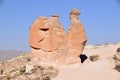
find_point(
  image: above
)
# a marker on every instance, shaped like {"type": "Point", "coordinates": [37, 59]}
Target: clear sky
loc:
{"type": "Point", "coordinates": [101, 19]}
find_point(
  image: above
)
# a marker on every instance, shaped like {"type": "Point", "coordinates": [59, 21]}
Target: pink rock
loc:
{"type": "Point", "coordinates": [60, 35]}
{"type": "Point", "coordinates": [47, 38]}
{"type": "Point", "coordinates": [76, 37]}
{"type": "Point", "coordinates": [42, 35]}
{"type": "Point", "coordinates": [49, 42]}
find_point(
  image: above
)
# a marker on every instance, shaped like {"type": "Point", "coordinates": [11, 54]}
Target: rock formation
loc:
{"type": "Point", "coordinates": [76, 37]}
{"type": "Point", "coordinates": [42, 35]}
{"type": "Point", "coordinates": [49, 42]}
{"type": "Point", "coordinates": [60, 35]}
{"type": "Point", "coordinates": [47, 38]}
{"type": "Point", "coordinates": [17, 69]}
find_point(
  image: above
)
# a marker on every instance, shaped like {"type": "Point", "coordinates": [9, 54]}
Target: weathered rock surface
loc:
{"type": "Point", "coordinates": [47, 38]}
{"type": "Point", "coordinates": [76, 37]}
{"type": "Point", "coordinates": [49, 42]}
{"type": "Point", "coordinates": [41, 35]}
{"type": "Point", "coordinates": [60, 35]}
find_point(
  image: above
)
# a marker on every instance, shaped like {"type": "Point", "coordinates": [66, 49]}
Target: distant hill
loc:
{"type": "Point", "coordinates": [6, 55]}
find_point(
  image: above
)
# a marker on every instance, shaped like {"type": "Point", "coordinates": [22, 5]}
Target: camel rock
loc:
{"type": "Point", "coordinates": [49, 42]}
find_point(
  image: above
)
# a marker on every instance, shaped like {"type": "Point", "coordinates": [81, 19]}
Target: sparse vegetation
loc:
{"type": "Point", "coordinates": [94, 57]}
{"type": "Point", "coordinates": [106, 44]}
{"type": "Point", "coordinates": [95, 47]}
{"type": "Point", "coordinates": [116, 57]}
{"type": "Point", "coordinates": [15, 69]}
{"type": "Point", "coordinates": [118, 50]}
{"type": "Point", "coordinates": [117, 67]}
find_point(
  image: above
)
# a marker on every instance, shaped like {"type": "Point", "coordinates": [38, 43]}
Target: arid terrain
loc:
{"type": "Point", "coordinates": [102, 63]}
{"type": "Point", "coordinates": [9, 54]}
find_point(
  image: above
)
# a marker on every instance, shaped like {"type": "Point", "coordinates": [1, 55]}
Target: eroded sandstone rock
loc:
{"type": "Point", "coordinates": [49, 42]}
{"type": "Point", "coordinates": [42, 35]}
{"type": "Point", "coordinates": [60, 35]}
{"type": "Point", "coordinates": [47, 38]}
{"type": "Point", "coordinates": [76, 37]}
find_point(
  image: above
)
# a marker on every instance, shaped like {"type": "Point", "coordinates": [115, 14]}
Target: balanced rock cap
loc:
{"type": "Point", "coordinates": [54, 15]}
{"type": "Point", "coordinates": [42, 17]}
{"type": "Point", "coordinates": [75, 11]}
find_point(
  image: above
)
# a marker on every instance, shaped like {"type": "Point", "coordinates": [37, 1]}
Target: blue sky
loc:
{"type": "Point", "coordinates": [101, 19]}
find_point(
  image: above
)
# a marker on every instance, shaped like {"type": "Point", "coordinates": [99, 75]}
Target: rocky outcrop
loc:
{"type": "Point", "coordinates": [17, 69]}
{"type": "Point", "coordinates": [50, 43]}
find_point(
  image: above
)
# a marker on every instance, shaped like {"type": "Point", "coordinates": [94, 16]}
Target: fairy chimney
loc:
{"type": "Point", "coordinates": [49, 42]}
{"type": "Point", "coordinates": [76, 37]}
{"type": "Point", "coordinates": [59, 32]}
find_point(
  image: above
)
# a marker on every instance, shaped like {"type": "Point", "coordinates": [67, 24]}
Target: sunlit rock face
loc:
{"type": "Point", "coordinates": [49, 42]}
{"type": "Point", "coordinates": [42, 35]}
{"type": "Point", "coordinates": [76, 37]}
{"type": "Point", "coordinates": [60, 35]}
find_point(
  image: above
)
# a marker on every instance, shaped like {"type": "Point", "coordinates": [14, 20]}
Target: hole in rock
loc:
{"type": "Point", "coordinates": [83, 57]}
{"type": "Point", "coordinates": [44, 29]}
